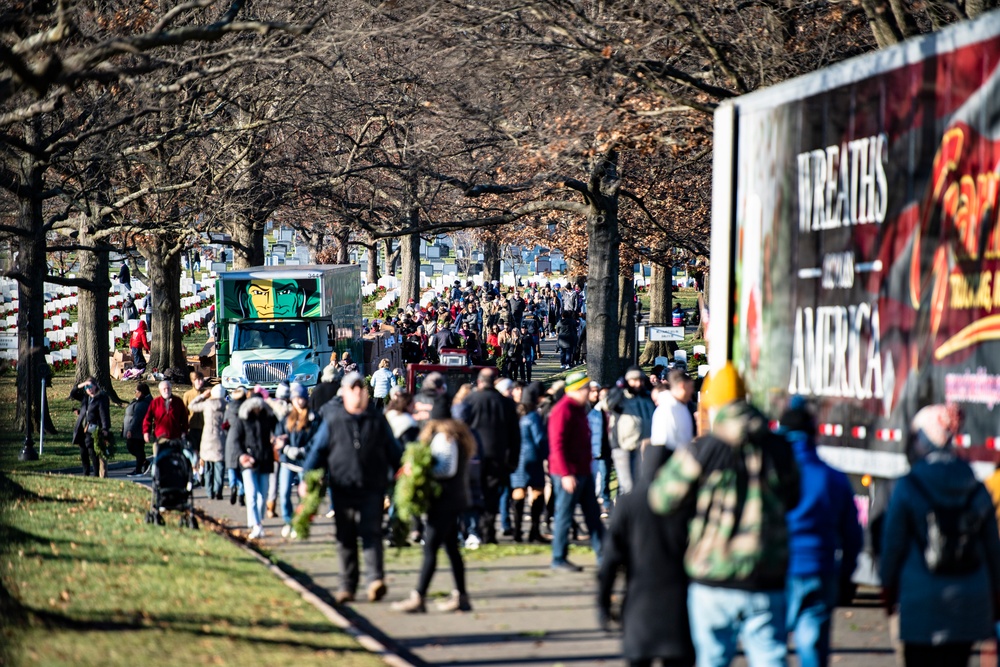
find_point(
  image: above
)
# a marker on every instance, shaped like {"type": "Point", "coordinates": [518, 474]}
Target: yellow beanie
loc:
{"type": "Point", "coordinates": [723, 387]}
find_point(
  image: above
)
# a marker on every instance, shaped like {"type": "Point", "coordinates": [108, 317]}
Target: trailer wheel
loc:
{"type": "Point", "coordinates": [194, 523]}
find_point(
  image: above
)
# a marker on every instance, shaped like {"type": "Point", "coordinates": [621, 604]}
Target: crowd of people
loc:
{"type": "Point", "coordinates": [502, 327]}
{"type": "Point", "coordinates": [740, 536]}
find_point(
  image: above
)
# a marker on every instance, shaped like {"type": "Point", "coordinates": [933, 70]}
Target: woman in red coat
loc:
{"type": "Point", "coordinates": [139, 342]}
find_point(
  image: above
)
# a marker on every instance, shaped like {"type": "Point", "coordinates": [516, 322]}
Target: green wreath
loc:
{"type": "Point", "coordinates": [416, 488]}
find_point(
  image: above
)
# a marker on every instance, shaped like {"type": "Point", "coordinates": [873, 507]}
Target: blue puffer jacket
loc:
{"type": "Point", "coordinates": [825, 519]}
{"type": "Point", "coordinates": [534, 450]}
{"type": "Point", "coordinates": [933, 608]}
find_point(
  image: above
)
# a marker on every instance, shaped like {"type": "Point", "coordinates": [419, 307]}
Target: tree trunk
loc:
{"type": "Point", "coordinates": [603, 363]}
{"type": "Point", "coordinates": [491, 260]}
{"type": "Point", "coordinates": [371, 269]}
{"type": "Point", "coordinates": [32, 268]}
{"type": "Point", "coordinates": [626, 318]}
{"type": "Point", "coordinates": [409, 282]}
{"type": "Point", "coordinates": [660, 305]}
{"type": "Point", "coordinates": [164, 267]}
{"type": "Point", "coordinates": [93, 347]}
{"type": "Point", "coordinates": [391, 257]}
{"type": "Point", "coordinates": [248, 243]}
{"type": "Point", "coordinates": [31, 365]}
{"type": "Point", "coordinates": [315, 244]}
{"type": "Point", "coordinates": [342, 247]}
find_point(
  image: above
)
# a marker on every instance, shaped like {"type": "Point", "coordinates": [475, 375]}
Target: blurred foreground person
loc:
{"type": "Point", "coordinates": [940, 551]}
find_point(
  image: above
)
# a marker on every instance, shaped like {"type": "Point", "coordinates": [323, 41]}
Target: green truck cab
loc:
{"type": "Point", "coordinates": [280, 323]}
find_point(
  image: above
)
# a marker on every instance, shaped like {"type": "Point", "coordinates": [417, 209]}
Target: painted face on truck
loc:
{"type": "Point", "coordinates": [274, 298]}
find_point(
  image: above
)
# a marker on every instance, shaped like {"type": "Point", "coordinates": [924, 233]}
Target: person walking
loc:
{"type": "Point", "coordinates": [672, 424]}
{"type": "Point", "coordinates": [824, 521]}
{"type": "Point", "coordinates": [567, 340]}
{"type": "Point", "coordinates": [940, 560]}
{"type": "Point", "coordinates": [210, 405]}
{"type": "Point", "coordinates": [195, 421]}
{"type": "Point", "coordinates": [138, 343]}
{"type": "Point", "coordinates": [650, 550]}
{"type": "Point", "coordinates": [93, 421]}
{"type": "Point", "coordinates": [381, 382]}
{"type": "Point", "coordinates": [452, 445]}
{"type": "Point", "coordinates": [250, 438]}
{"type": "Point", "coordinates": [630, 421]}
{"type": "Point", "coordinates": [570, 468]}
{"type": "Point", "coordinates": [600, 446]}
{"type": "Point", "coordinates": [494, 418]}
{"type": "Point", "coordinates": [135, 412]}
{"type": "Point", "coordinates": [231, 456]}
{"type": "Point", "coordinates": [167, 416]}
{"type": "Point", "coordinates": [125, 276]}
{"type": "Point", "coordinates": [741, 480]}
{"type": "Point", "coordinates": [360, 454]}
{"type": "Point", "coordinates": [530, 473]}
{"type": "Point", "coordinates": [294, 435]}
{"type": "Point", "coordinates": [515, 352]}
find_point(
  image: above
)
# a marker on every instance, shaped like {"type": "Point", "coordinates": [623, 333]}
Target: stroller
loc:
{"type": "Point", "coordinates": [173, 481]}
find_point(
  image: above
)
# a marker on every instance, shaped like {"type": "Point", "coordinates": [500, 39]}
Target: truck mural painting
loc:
{"type": "Point", "coordinates": [856, 247]}
{"type": "Point", "coordinates": [281, 323]}
{"type": "Point", "coordinates": [268, 298]}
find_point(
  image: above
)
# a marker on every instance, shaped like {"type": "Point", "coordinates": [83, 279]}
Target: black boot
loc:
{"type": "Point", "coordinates": [535, 533]}
{"type": "Point", "coordinates": [518, 520]}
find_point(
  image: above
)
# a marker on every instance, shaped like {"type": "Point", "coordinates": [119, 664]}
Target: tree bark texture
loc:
{"type": "Point", "coordinates": [603, 363]}
{"type": "Point", "coordinates": [626, 318]}
{"type": "Point", "coordinates": [660, 306]}
{"type": "Point", "coordinates": [93, 348]}
{"type": "Point", "coordinates": [391, 257]}
{"type": "Point", "coordinates": [248, 243]}
{"type": "Point", "coordinates": [491, 261]}
{"type": "Point", "coordinates": [32, 268]}
{"type": "Point", "coordinates": [409, 256]}
{"type": "Point", "coordinates": [371, 270]}
{"type": "Point", "coordinates": [164, 267]}
{"type": "Point", "coordinates": [342, 247]}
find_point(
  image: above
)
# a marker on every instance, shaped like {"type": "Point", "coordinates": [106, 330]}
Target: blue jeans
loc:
{"type": "Point", "coordinates": [505, 507]}
{"type": "Point", "coordinates": [566, 502]}
{"type": "Point", "coordinates": [720, 616]}
{"type": "Point", "coordinates": [811, 601]}
{"type": "Point", "coordinates": [234, 480]}
{"type": "Point", "coordinates": [287, 480]}
{"type": "Point", "coordinates": [255, 488]}
{"type": "Point", "coordinates": [602, 482]}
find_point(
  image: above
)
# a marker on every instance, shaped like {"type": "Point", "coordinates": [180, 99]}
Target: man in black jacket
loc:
{"type": "Point", "coordinates": [360, 455]}
{"type": "Point", "coordinates": [494, 417]}
{"type": "Point", "coordinates": [93, 420]}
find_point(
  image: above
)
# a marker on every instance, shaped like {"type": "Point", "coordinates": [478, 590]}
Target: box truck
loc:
{"type": "Point", "coordinates": [855, 250]}
{"type": "Point", "coordinates": [279, 323]}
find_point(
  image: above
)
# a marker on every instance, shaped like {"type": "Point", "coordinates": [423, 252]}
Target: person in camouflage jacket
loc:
{"type": "Point", "coordinates": [736, 484]}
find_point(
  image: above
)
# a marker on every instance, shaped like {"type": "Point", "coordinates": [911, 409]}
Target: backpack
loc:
{"type": "Point", "coordinates": [952, 545]}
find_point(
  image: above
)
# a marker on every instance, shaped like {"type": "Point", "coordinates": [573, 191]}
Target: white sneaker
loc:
{"type": "Point", "coordinates": [329, 515]}
{"type": "Point", "coordinates": [286, 530]}
{"type": "Point", "coordinates": [472, 543]}
{"type": "Point", "coordinates": [256, 533]}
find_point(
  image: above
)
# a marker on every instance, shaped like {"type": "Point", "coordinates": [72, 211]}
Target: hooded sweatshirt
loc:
{"type": "Point", "coordinates": [936, 608]}
{"type": "Point", "coordinates": [739, 481]}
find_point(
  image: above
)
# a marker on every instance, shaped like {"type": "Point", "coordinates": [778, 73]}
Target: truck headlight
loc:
{"type": "Point", "coordinates": [304, 378]}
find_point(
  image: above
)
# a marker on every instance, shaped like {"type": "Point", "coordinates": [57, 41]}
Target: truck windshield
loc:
{"type": "Point", "coordinates": [271, 336]}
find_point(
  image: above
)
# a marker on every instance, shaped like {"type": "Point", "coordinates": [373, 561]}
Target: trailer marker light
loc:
{"type": "Point", "coordinates": [859, 432]}
{"type": "Point", "coordinates": [993, 443]}
{"type": "Point", "coordinates": [964, 440]}
{"type": "Point", "coordinates": [866, 481]}
{"type": "Point", "coordinates": [836, 430]}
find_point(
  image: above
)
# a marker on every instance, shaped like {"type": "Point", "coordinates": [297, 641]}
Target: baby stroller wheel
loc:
{"type": "Point", "coordinates": [194, 523]}
{"type": "Point", "coordinates": [160, 520]}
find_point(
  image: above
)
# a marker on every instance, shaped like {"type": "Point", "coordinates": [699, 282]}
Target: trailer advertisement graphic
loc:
{"type": "Point", "coordinates": [868, 247]}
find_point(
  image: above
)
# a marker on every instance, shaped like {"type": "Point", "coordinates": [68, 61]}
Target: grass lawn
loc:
{"type": "Point", "coordinates": [86, 582]}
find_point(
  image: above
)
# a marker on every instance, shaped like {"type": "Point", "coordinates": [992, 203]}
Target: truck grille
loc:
{"type": "Point", "coordinates": [266, 372]}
